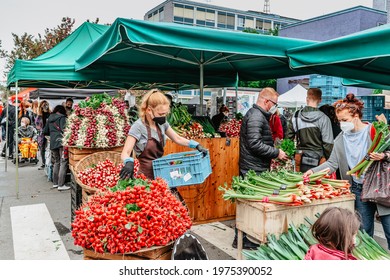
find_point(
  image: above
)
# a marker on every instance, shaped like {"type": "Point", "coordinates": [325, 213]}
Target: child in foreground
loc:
{"type": "Point", "coordinates": [336, 231]}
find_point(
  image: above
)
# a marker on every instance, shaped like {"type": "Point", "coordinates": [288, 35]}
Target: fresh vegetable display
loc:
{"type": "Point", "coordinates": [380, 143]}
{"type": "Point", "coordinates": [285, 187]}
{"type": "Point", "coordinates": [293, 245]}
{"type": "Point", "coordinates": [208, 128]}
{"type": "Point", "coordinates": [103, 175]}
{"type": "Point", "coordinates": [135, 214]}
{"type": "Point", "coordinates": [181, 122]}
{"type": "Point", "coordinates": [231, 128]}
{"type": "Point", "coordinates": [99, 121]}
{"type": "Point", "coordinates": [288, 146]}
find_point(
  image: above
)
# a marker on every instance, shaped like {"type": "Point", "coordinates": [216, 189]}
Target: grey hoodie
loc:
{"type": "Point", "coordinates": [314, 129]}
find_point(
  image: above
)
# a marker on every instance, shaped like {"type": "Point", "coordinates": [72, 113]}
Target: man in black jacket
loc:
{"type": "Point", "coordinates": [11, 129]}
{"type": "Point", "coordinates": [256, 143]}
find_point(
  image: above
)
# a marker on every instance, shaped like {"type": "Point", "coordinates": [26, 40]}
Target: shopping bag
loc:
{"type": "Point", "coordinates": [188, 247]}
{"type": "Point", "coordinates": [376, 185]}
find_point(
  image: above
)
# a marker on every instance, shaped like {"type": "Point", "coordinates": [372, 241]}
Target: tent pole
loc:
{"type": "Point", "coordinates": [201, 83]}
{"type": "Point", "coordinates": [16, 140]}
{"type": "Point", "coordinates": [6, 133]}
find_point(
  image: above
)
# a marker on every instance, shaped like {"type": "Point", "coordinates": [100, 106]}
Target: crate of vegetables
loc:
{"type": "Point", "coordinates": [183, 169]}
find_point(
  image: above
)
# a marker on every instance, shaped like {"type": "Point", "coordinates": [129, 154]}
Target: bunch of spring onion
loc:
{"type": "Point", "coordinates": [294, 244]}
{"type": "Point", "coordinates": [284, 187]}
{"type": "Point", "coordinates": [380, 143]}
{"type": "Point", "coordinates": [265, 188]}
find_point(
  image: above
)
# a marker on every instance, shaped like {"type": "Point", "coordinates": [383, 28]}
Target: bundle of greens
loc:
{"type": "Point", "coordinates": [293, 245]}
{"type": "Point", "coordinates": [95, 101]}
{"type": "Point", "coordinates": [380, 143]}
{"type": "Point", "coordinates": [288, 146]}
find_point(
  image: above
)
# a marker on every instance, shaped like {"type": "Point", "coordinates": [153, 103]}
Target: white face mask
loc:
{"type": "Point", "coordinates": [346, 126]}
{"type": "Point", "coordinates": [23, 124]}
{"type": "Point", "coordinates": [273, 109]}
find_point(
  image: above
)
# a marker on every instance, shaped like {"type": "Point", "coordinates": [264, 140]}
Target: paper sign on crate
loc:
{"type": "Point", "coordinates": [183, 169]}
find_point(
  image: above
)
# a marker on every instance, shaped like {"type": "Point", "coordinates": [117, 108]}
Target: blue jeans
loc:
{"type": "Point", "coordinates": [367, 212]}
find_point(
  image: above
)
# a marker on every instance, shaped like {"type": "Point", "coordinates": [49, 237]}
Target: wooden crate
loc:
{"type": "Point", "coordinates": [153, 253]}
{"type": "Point", "coordinates": [204, 201]}
{"type": "Point", "coordinates": [258, 219]}
{"type": "Point", "coordinates": [76, 154]}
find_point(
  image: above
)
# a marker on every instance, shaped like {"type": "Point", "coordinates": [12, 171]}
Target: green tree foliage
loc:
{"type": "Point", "coordinates": [258, 84]}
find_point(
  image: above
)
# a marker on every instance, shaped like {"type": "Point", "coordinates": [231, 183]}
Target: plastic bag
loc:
{"type": "Point", "coordinates": [376, 185]}
{"type": "Point", "coordinates": [188, 247]}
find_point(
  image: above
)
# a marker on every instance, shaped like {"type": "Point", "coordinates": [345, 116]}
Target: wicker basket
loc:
{"type": "Point", "coordinates": [91, 160]}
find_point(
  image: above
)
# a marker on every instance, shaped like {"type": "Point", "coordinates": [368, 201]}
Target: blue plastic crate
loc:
{"type": "Point", "coordinates": [183, 169]}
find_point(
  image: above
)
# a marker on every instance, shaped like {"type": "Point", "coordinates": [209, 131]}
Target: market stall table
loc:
{"type": "Point", "coordinates": [257, 219]}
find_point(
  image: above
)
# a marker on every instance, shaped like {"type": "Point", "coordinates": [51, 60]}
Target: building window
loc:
{"type": "Point", "coordinates": [249, 22]}
{"type": "Point", "coordinates": [205, 17]}
{"type": "Point", "coordinates": [259, 24]}
{"type": "Point", "coordinates": [225, 20]}
{"type": "Point", "coordinates": [267, 25]}
{"type": "Point", "coordinates": [183, 13]}
{"type": "Point", "coordinates": [157, 15]}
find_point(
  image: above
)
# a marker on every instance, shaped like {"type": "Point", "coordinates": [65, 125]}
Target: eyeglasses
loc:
{"type": "Point", "coordinates": [344, 105]}
{"type": "Point", "coordinates": [273, 102]}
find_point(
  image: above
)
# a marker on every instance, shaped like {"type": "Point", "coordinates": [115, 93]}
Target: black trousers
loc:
{"type": "Point", "coordinates": [10, 141]}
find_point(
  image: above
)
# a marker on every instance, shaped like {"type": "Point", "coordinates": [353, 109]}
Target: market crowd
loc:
{"type": "Point", "coordinates": [39, 132]}
{"type": "Point", "coordinates": [332, 137]}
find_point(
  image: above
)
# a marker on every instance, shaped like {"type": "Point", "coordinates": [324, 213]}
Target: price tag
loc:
{"type": "Point", "coordinates": [187, 177]}
{"type": "Point", "coordinates": [174, 174]}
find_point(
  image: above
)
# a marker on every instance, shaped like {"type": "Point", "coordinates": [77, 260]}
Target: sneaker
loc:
{"type": "Point", "coordinates": [54, 186]}
{"type": "Point", "coordinates": [63, 188]}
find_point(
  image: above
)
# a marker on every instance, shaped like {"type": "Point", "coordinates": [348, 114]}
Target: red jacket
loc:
{"type": "Point", "coordinates": [276, 127]}
{"type": "Point", "coordinates": [320, 252]}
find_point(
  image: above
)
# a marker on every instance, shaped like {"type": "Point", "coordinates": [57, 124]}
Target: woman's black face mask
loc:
{"type": "Point", "coordinates": [160, 120]}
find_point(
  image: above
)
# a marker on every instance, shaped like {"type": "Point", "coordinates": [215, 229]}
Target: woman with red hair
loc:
{"type": "Point", "coordinates": [350, 147]}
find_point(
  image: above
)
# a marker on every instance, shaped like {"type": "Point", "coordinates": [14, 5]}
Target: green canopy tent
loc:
{"type": "Point", "coordinates": [202, 57]}
{"type": "Point", "coordinates": [363, 84]}
{"type": "Point", "coordinates": [361, 56]}
{"type": "Point", "coordinates": [55, 68]}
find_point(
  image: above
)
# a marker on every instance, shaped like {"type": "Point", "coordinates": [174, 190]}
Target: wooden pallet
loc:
{"type": "Point", "coordinates": [153, 253]}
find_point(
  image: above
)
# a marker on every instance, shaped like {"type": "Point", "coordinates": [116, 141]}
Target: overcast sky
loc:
{"type": "Point", "coordinates": [19, 16]}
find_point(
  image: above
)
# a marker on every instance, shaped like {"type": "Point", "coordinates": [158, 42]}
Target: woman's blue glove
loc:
{"type": "Point", "coordinates": [195, 145]}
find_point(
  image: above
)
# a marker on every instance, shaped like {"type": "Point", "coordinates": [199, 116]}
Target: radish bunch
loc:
{"type": "Point", "coordinates": [140, 214]}
{"type": "Point", "coordinates": [101, 126]}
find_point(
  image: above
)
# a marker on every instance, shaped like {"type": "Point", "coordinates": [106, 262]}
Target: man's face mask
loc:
{"type": "Point", "coordinates": [273, 109]}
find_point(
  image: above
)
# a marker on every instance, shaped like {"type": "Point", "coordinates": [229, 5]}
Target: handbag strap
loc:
{"type": "Point", "coordinates": [57, 127]}
{"type": "Point", "coordinates": [297, 131]}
